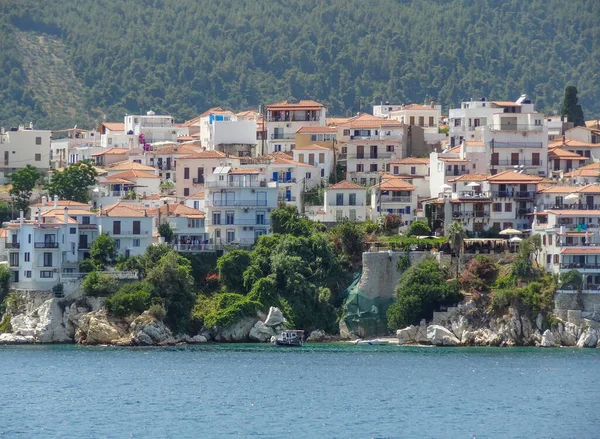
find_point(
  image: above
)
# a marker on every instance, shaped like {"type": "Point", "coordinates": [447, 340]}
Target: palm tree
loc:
{"type": "Point", "coordinates": [456, 238]}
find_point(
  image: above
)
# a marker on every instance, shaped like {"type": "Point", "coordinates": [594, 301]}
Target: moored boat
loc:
{"type": "Point", "coordinates": [292, 338]}
{"type": "Point", "coordinates": [375, 342]}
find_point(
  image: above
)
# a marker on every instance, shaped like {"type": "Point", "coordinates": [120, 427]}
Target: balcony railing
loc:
{"type": "Point", "coordinates": [283, 136]}
{"type": "Point", "coordinates": [238, 222]}
{"type": "Point", "coordinates": [196, 181]}
{"type": "Point", "coordinates": [130, 232]}
{"type": "Point", "coordinates": [292, 118]}
{"type": "Point", "coordinates": [236, 203]}
{"type": "Point", "coordinates": [84, 245]}
{"type": "Point", "coordinates": [46, 245]}
{"type": "Point", "coordinates": [516, 145]}
{"type": "Point", "coordinates": [580, 265]}
{"type": "Point", "coordinates": [522, 211]}
{"type": "Point", "coordinates": [518, 163]}
{"type": "Point", "coordinates": [573, 227]}
{"type": "Point", "coordinates": [513, 194]}
{"type": "Point", "coordinates": [288, 199]}
{"type": "Point", "coordinates": [284, 180]}
{"type": "Point", "coordinates": [474, 194]}
{"type": "Point", "coordinates": [577, 244]}
{"type": "Point", "coordinates": [568, 206]}
{"type": "Point", "coordinates": [395, 199]}
{"type": "Point", "coordinates": [348, 204]}
{"type": "Point", "coordinates": [236, 183]}
{"type": "Point", "coordinates": [369, 156]}
{"type": "Point", "coordinates": [12, 245]}
{"type": "Point", "coordinates": [470, 214]}
{"type": "Point", "coordinates": [515, 127]}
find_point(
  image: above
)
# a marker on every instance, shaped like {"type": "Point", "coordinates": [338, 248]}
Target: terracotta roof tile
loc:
{"type": "Point", "coordinates": [114, 126]}
{"type": "Point", "coordinates": [311, 148]}
{"type": "Point", "coordinates": [177, 210]}
{"type": "Point", "coordinates": [411, 161]}
{"type": "Point", "coordinates": [125, 209]}
{"type": "Point", "coordinates": [215, 110]}
{"type": "Point", "coordinates": [62, 203]}
{"type": "Point", "coordinates": [317, 130]}
{"type": "Point", "coordinates": [245, 171]}
{"type": "Point", "coordinates": [369, 121]}
{"type": "Point", "coordinates": [127, 165]}
{"type": "Point", "coordinates": [208, 154]}
{"type": "Point", "coordinates": [512, 176]}
{"type": "Point", "coordinates": [394, 184]}
{"type": "Point", "coordinates": [132, 173]}
{"type": "Point", "coordinates": [472, 177]}
{"type": "Point", "coordinates": [580, 251]}
{"type": "Point", "coordinates": [345, 184]}
{"type": "Point", "coordinates": [112, 151]}
{"type": "Point", "coordinates": [298, 106]}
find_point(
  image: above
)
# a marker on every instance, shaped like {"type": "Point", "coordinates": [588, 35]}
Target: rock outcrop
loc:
{"type": "Point", "coordinates": [273, 325]}
{"type": "Point", "coordinates": [95, 328]}
{"type": "Point", "coordinates": [147, 331]}
{"type": "Point", "coordinates": [440, 336]}
{"type": "Point", "coordinates": [413, 334]}
{"type": "Point", "coordinates": [547, 339]}
{"type": "Point", "coordinates": [236, 333]}
{"type": "Point", "coordinates": [588, 339]}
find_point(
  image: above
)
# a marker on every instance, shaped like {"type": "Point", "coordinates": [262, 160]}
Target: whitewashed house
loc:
{"type": "Point", "coordinates": [285, 118]}
{"type": "Point", "coordinates": [129, 224]}
{"type": "Point", "coordinates": [23, 146]}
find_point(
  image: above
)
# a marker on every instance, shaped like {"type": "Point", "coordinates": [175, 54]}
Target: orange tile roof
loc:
{"type": "Point", "coordinates": [61, 211]}
{"type": "Point", "coordinates": [335, 120]}
{"type": "Point", "coordinates": [125, 209]}
{"type": "Point", "coordinates": [198, 194]}
{"type": "Point", "coordinates": [177, 210]}
{"type": "Point", "coordinates": [513, 177]}
{"type": "Point", "coordinates": [580, 251]}
{"type": "Point", "coordinates": [365, 120]}
{"type": "Point", "coordinates": [416, 107]}
{"type": "Point", "coordinates": [176, 149]}
{"type": "Point", "coordinates": [411, 161]}
{"type": "Point", "coordinates": [111, 180]}
{"type": "Point", "coordinates": [572, 143]}
{"type": "Point", "coordinates": [304, 104]}
{"type": "Point", "coordinates": [112, 151]}
{"type": "Point", "coordinates": [184, 138]}
{"type": "Point", "coordinates": [454, 150]}
{"type": "Point", "coordinates": [208, 154]}
{"type": "Point", "coordinates": [61, 203]}
{"type": "Point", "coordinates": [474, 143]}
{"type": "Point", "coordinates": [558, 189]}
{"type": "Point", "coordinates": [245, 171]}
{"type": "Point", "coordinates": [311, 148]}
{"type": "Point", "coordinates": [590, 170]}
{"type": "Point", "coordinates": [215, 110]}
{"type": "Point", "coordinates": [559, 153]}
{"type": "Point", "coordinates": [452, 159]}
{"type": "Point", "coordinates": [471, 177]}
{"type": "Point", "coordinates": [290, 162]}
{"type": "Point", "coordinates": [132, 173]}
{"type": "Point", "coordinates": [248, 113]}
{"type": "Point", "coordinates": [505, 104]}
{"type": "Point", "coordinates": [394, 184]}
{"type": "Point", "coordinates": [574, 212]}
{"type": "Point", "coordinates": [345, 184]}
{"type": "Point", "coordinates": [127, 165]}
{"type": "Point", "coordinates": [316, 130]}
{"type": "Point", "coordinates": [191, 122]}
{"type": "Point", "coordinates": [114, 126]}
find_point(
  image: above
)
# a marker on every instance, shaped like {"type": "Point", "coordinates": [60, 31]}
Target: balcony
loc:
{"type": "Point", "coordinates": [84, 246]}
{"type": "Point", "coordinates": [569, 206]}
{"type": "Point", "coordinates": [286, 199]}
{"type": "Point", "coordinates": [369, 156]}
{"type": "Point", "coordinates": [130, 233]}
{"type": "Point", "coordinates": [470, 214]}
{"type": "Point", "coordinates": [9, 245]}
{"type": "Point", "coordinates": [284, 180]}
{"type": "Point", "coordinates": [395, 199]}
{"type": "Point", "coordinates": [522, 211]}
{"type": "Point", "coordinates": [528, 163]}
{"type": "Point", "coordinates": [515, 145]}
{"type": "Point", "coordinates": [238, 183]}
{"type": "Point", "coordinates": [574, 227]}
{"type": "Point", "coordinates": [347, 204]}
{"type": "Point", "coordinates": [165, 167]}
{"type": "Point", "coordinates": [46, 245]}
{"type": "Point", "coordinates": [525, 194]}
{"type": "Point", "coordinates": [283, 136]}
{"type": "Point", "coordinates": [580, 266]}
{"type": "Point", "coordinates": [474, 194]}
{"type": "Point", "coordinates": [515, 127]}
{"type": "Point", "coordinates": [513, 194]}
{"type": "Point", "coordinates": [559, 243]}
{"type": "Point", "coordinates": [237, 203]}
{"type": "Point", "coordinates": [197, 181]}
{"type": "Point", "coordinates": [238, 222]}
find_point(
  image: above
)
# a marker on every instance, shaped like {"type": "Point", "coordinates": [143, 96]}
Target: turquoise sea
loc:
{"type": "Point", "coordinates": [319, 391]}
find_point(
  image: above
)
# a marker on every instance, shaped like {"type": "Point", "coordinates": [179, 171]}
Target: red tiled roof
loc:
{"type": "Point", "coordinates": [177, 210]}
{"type": "Point", "coordinates": [112, 151]}
{"type": "Point", "coordinates": [394, 184]}
{"type": "Point", "coordinates": [512, 176]}
{"type": "Point", "coordinates": [411, 161]}
{"type": "Point", "coordinates": [580, 251]}
{"type": "Point", "coordinates": [132, 173]}
{"type": "Point", "coordinates": [311, 148]}
{"type": "Point", "coordinates": [302, 105]}
{"type": "Point", "coordinates": [114, 126]}
{"type": "Point", "coordinates": [316, 130]}
{"type": "Point", "coordinates": [125, 209]}
{"type": "Point", "coordinates": [345, 184]}
{"type": "Point", "coordinates": [208, 154]}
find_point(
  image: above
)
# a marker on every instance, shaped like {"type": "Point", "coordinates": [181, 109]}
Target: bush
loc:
{"type": "Point", "coordinates": [158, 311]}
{"type": "Point", "coordinates": [87, 266]}
{"type": "Point", "coordinates": [99, 284]}
{"type": "Point", "coordinates": [222, 309]}
{"type": "Point", "coordinates": [5, 325]}
{"type": "Point", "coordinates": [133, 298]}
{"type": "Point", "coordinates": [392, 221]}
{"type": "Point", "coordinates": [418, 228]}
{"type": "Point", "coordinates": [231, 268]}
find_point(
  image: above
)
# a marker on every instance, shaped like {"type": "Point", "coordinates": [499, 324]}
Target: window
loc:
{"type": "Point", "coordinates": [38, 157]}
{"type": "Point", "coordinates": [413, 170]}
{"type": "Point", "coordinates": [137, 227]}
{"type": "Point", "coordinates": [229, 218]}
{"type": "Point", "coordinates": [363, 181]}
{"type": "Point", "coordinates": [72, 230]}
{"type": "Point", "coordinates": [496, 226]}
{"type": "Point", "coordinates": [116, 227]}
{"type": "Point", "coordinates": [46, 274]}
{"type": "Point", "coordinates": [389, 148]}
{"type": "Point", "coordinates": [186, 191]}
{"type": "Point", "coordinates": [260, 217]}
{"type": "Point", "coordinates": [556, 259]}
{"type": "Point", "coordinates": [339, 199]}
{"type": "Point", "coordinates": [549, 239]}
{"type": "Point", "coordinates": [186, 173]}
{"type": "Point", "coordinates": [322, 173]}
{"type": "Point", "coordinates": [118, 243]}
{"type": "Point", "coordinates": [321, 157]}
{"type": "Point", "coordinates": [230, 235]}
{"type": "Point", "coordinates": [421, 121]}
{"type": "Point", "coordinates": [29, 238]}
{"type": "Point", "coordinates": [431, 121]}
{"type": "Point", "coordinates": [14, 260]}
{"type": "Point", "coordinates": [308, 176]}
{"type": "Point", "coordinates": [110, 140]}
{"type": "Point", "coordinates": [373, 167]}
{"type": "Point", "coordinates": [535, 159]}
{"type": "Point", "coordinates": [396, 170]}
{"type": "Point", "coordinates": [339, 215]}
{"type": "Point", "coordinates": [497, 207]}
{"type": "Point", "coordinates": [548, 259]}
{"type": "Point", "coordinates": [352, 215]}
{"type": "Point", "coordinates": [508, 207]}
{"type": "Point", "coordinates": [28, 274]}
{"type": "Point", "coordinates": [85, 220]}
{"type": "Point", "coordinates": [352, 199]}
{"type": "Point", "coordinates": [27, 257]}
{"type": "Point", "coordinates": [216, 219]}
{"type": "Point", "coordinates": [344, 150]}
{"type": "Point", "coordinates": [47, 259]}
{"type": "Point", "coordinates": [38, 140]}
{"type": "Point", "coordinates": [412, 120]}
{"type": "Point", "coordinates": [136, 242]}
{"type": "Point", "coordinates": [346, 132]}
{"type": "Point", "coordinates": [301, 158]}
{"type": "Point", "coordinates": [360, 168]}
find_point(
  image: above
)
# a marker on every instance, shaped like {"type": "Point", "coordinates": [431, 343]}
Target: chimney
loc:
{"type": "Point", "coordinates": [21, 218]}
{"type": "Point", "coordinates": [432, 103]}
{"type": "Point", "coordinates": [66, 215]}
{"type": "Point", "coordinates": [56, 201]}
{"type": "Point", "coordinates": [100, 209]}
{"type": "Point", "coordinates": [563, 139]}
{"type": "Point", "coordinates": [44, 200]}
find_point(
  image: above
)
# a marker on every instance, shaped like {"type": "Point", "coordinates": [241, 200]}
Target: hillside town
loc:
{"type": "Point", "coordinates": [502, 169]}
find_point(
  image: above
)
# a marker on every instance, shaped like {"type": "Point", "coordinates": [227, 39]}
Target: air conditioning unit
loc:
{"type": "Point", "coordinates": [245, 228]}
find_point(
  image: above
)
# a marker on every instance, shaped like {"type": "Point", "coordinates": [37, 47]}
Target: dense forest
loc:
{"type": "Point", "coordinates": [66, 62]}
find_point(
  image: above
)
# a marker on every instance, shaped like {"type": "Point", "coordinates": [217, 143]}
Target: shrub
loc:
{"type": "Point", "coordinates": [5, 325]}
{"type": "Point", "coordinates": [87, 266]}
{"type": "Point", "coordinates": [231, 268]}
{"type": "Point", "coordinates": [99, 284]}
{"type": "Point", "coordinates": [222, 309]}
{"type": "Point", "coordinates": [418, 228]}
{"type": "Point", "coordinates": [392, 221]}
{"type": "Point", "coordinates": [158, 311]}
{"type": "Point", "coordinates": [134, 298]}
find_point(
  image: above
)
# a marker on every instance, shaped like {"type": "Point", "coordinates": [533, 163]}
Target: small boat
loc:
{"type": "Point", "coordinates": [292, 338]}
{"type": "Point", "coordinates": [375, 342]}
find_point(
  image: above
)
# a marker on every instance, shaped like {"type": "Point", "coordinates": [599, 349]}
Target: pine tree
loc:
{"type": "Point", "coordinates": [571, 108]}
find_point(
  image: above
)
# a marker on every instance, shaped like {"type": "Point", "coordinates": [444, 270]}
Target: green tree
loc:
{"type": "Point", "coordinates": [422, 289]}
{"type": "Point", "coordinates": [99, 284]}
{"type": "Point", "coordinates": [166, 231]}
{"type": "Point", "coordinates": [456, 238]}
{"type": "Point", "coordinates": [131, 298]}
{"type": "Point", "coordinates": [172, 280]}
{"type": "Point", "coordinates": [571, 108]}
{"type": "Point", "coordinates": [6, 211]}
{"type": "Point", "coordinates": [104, 251]}
{"type": "Point", "coordinates": [573, 279]}
{"type": "Point", "coordinates": [232, 266]}
{"type": "Point", "coordinates": [285, 220]}
{"type": "Point", "coordinates": [23, 182]}
{"type": "Point", "coordinates": [5, 276]}
{"type": "Point", "coordinates": [418, 228]}
{"type": "Point", "coordinates": [73, 182]}
{"type": "Point", "coordinates": [351, 237]}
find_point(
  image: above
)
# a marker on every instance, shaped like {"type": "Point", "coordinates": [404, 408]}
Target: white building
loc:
{"type": "Point", "coordinates": [152, 128]}
{"type": "Point", "coordinates": [187, 224]}
{"type": "Point", "coordinates": [239, 203]}
{"type": "Point", "coordinates": [464, 121]}
{"type": "Point", "coordinates": [343, 200]}
{"type": "Point", "coordinates": [129, 224]}
{"type": "Point", "coordinates": [192, 170]}
{"type": "Point", "coordinates": [385, 110]}
{"type": "Point", "coordinates": [414, 170]}
{"type": "Point", "coordinates": [285, 118]}
{"type": "Point", "coordinates": [427, 117]}
{"type": "Point", "coordinates": [77, 145]}
{"type": "Point", "coordinates": [316, 155]}
{"type": "Point", "coordinates": [22, 146]}
{"type": "Point", "coordinates": [394, 196]}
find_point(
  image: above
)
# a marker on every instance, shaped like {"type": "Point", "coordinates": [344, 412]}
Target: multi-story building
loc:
{"type": "Point", "coordinates": [192, 170]}
{"type": "Point", "coordinates": [284, 119]}
{"type": "Point", "coordinates": [584, 135]}
{"type": "Point", "coordinates": [588, 150]}
{"type": "Point", "coordinates": [125, 185]}
{"type": "Point", "coordinates": [316, 155]}
{"type": "Point", "coordinates": [206, 121]}
{"type": "Point", "coordinates": [164, 159]}
{"type": "Point", "coordinates": [187, 224]}
{"type": "Point", "coordinates": [343, 200]}
{"type": "Point", "coordinates": [24, 146]}
{"type": "Point", "coordinates": [413, 170]}
{"type": "Point", "coordinates": [292, 177]}
{"type": "Point", "coordinates": [384, 110]}
{"type": "Point", "coordinates": [367, 143]}
{"type": "Point", "coordinates": [562, 161]}
{"type": "Point", "coordinates": [585, 174]}
{"type": "Point", "coordinates": [239, 203]}
{"type": "Point", "coordinates": [394, 196]}
{"type": "Point", "coordinates": [129, 224]}
{"type": "Point", "coordinates": [72, 145]}
{"type": "Point", "coordinates": [110, 156]}
{"type": "Point", "coordinates": [153, 128]}
{"type": "Point", "coordinates": [464, 121]}
{"type": "Point", "coordinates": [470, 202]}
{"type": "Point", "coordinates": [317, 135]}
{"type": "Point", "coordinates": [426, 117]}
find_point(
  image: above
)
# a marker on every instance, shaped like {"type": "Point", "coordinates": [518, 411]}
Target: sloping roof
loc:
{"type": "Point", "coordinates": [125, 209]}
{"type": "Point", "coordinates": [208, 154]}
{"type": "Point", "coordinates": [365, 120]}
{"type": "Point", "coordinates": [127, 165]}
{"type": "Point", "coordinates": [112, 151]}
{"type": "Point", "coordinates": [316, 130]}
{"type": "Point", "coordinates": [248, 113]}
{"type": "Point", "coordinates": [182, 149]}
{"type": "Point", "coordinates": [571, 143]}
{"type": "Point", "coordinates": [245, 171]}
{"type": "Point", "coordinates": [474, 143]}
{"type": "Point", "coordinates": [394, 184]}
{"type": "Point", "coordinates": [574, 212]}
{"type": "Point", "coordinates": [512, 176]}
{"type": "Point", "coordinates": [177, 210]}
{"type": "Point", "coordinates": [304, 104]}
{"type": "Point", "coordinates": [454, 150]}
{"type": "Point", "coordinates": [471, 177]}
{"type": "Point", "coordinates": [132, 174]}
{"type": "Point", "coordinates": [198, 194]}
{"type": "Point", "coordinates": [559, 153]}
{"type": "Point", "coordinates": [580, 251]}
{"type": "Point", "coordinates": [415, 107]}
{"type": "Point", "coordinates": [61, 211]}
{"type": "Point", "coordinates": [290, 162]}
{"type": "Point", "coordinates": [215, 110]}
{"type": "Point", "coordinates": [411, 161]}
{"type": "Point", "coordinates": [591, 170]}
{"type": "Point", "coordinates": [345, 184]}
{"type": "Point", "coordinates": [505, 104]}
{"type": "Point", "coordinates": [558, 189]}
{"type": "Point", "coordinates": [112, 180]}
{"type": "Point", "coordinates": [452, 159]}
{"type": "Point", "coordinates": [114, 126]}
{"type": "Point", "coordinates": [311, 148]}
{"type": "Point", "coordinates": [62, 203]}
{"type": "Point", "coordinates": [332, 121]}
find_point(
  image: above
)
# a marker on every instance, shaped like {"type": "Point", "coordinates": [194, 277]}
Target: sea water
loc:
{"type": "Point", "coordinates": [318, 391]}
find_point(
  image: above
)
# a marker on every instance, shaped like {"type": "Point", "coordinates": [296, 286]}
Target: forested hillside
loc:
{"type": "Point", "coordinates": [103, 58]}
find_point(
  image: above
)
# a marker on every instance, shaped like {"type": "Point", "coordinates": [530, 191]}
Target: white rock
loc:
{"type": "Point", "coordinates": [16, 339]}
{"type": "Point", "coordinates": [275, 317]}
{"type": "Point", "coordinates": [199, 339]}
{"type": "Point", "coordinates": [440, 336]}
{"type": "Point", "coordinates": [261, 332]}
{"type": "Point", "coordinates": [539, 321]}
{"type": "Point", "coordinates": [412, 335]}
{"type": "Point", "coordinates": [317, 335]}
{"type": "Point", "coordinates": [588, 339]}
{"type": "Point", "coordinates": [238, 332]}
{"type": "Point", "coordinates": [547, 339]}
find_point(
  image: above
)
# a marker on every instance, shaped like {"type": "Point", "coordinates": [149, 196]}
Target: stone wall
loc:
{"type": "Point", "coordinates": [568, 301]}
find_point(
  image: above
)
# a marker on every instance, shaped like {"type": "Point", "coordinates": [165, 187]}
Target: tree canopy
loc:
{"type": "Point", "coordinates": [182, 57]}
{"type": "Point", "coordinates": [73, 182]}
{"type": "Point", "coordinates": [571, 108]}
{"type": "Point", "coordinates": [22, 183]}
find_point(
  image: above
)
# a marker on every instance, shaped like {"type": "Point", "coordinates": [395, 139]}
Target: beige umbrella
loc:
{"type": "Point", "coordinates": [511, 232]}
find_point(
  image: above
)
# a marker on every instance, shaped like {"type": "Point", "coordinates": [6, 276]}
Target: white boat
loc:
{"type": "Point", "coordinates": [291, 338]}
{"type": "Point", "coordinates": [375, 342]}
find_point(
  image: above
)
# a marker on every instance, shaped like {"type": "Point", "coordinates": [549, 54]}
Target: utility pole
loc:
{"type": "Point", "coordinates": [334, 161]}
{"type": "Point", "coordinates": [379, 190]}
